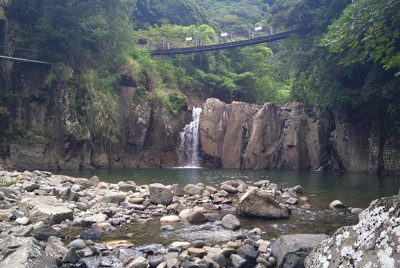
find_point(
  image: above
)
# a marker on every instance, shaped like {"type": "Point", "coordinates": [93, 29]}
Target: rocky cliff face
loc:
{"type": "Point", "coordinates": [236, 135]}
{"type": "Point", "coordinates": [148, 134]}
{"type": "Point", "coordinates": [241, 135]}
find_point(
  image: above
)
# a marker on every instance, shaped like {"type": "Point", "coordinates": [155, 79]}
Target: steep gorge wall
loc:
{"type": "Point", "coordinates": [236, 135]}
{"type": "Point", "coordinates": [263, 137]}
{"type": "Point", "coordinates": [241, 135]}
{"type": "Point", "coordinates": [148, 133]}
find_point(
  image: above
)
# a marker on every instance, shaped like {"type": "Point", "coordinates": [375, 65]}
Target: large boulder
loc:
{"type": "Point", "coordinates": [192, 189]}
{"type": "Point", "coordinates": [230, 221]}
{"type": "Point", "coordinates": [257, 203]}
{"type": "Point", "coordinates": [23, 252]}
{"type": "Point", "coordinates": [290, 250]}
{"type": "Point", "coordinates": [160, 194]}
{"type": "Point", "coordinates": [373, 242]}
{"type": "Point", "coordinates": [44, 232]}
{"type": "Point", "coordinates": [48, 209]}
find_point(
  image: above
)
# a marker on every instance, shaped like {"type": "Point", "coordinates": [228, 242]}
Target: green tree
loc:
{"type": "Point", "coordinates": [367, 31]}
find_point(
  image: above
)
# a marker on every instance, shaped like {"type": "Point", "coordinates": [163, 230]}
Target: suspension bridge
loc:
{"type": "Point", "coordinates": [228, 45]}
{"type": "Point", "coordinates": [187, 50]}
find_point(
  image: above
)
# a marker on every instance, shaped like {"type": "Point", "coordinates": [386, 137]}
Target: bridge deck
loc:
{"type": "Point", "coordinates": [249, 42]}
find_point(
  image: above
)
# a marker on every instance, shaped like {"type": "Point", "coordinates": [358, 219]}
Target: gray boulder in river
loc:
{"type": "Point", "coordinates": [256, 203]}
{"type": "Point", "coordinates": [290, 250]}
{"type": "Point", "coordinates": [373, 242]}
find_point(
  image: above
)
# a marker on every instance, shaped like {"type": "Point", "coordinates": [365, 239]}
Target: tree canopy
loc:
{"type": "Point", "coordinates": [367, 31]}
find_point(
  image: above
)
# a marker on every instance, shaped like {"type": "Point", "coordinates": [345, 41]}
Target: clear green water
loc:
{"type": "Point", "coordinates": [353, 189]}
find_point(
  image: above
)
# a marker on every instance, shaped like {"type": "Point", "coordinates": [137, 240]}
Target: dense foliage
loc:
{"type": "Point", "coordinates": [346, 57]}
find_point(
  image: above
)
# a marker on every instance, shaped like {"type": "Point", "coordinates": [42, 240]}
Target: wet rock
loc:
{"type": "Point", "coordinates": [289, 249]}
{"type": "Point", "coordinates": [189, 264]}
{"type": "Point", "coordinates": [336, 204]}
{"type": "Point", "coordinates": [212, 217]}
{"type": "Point", "coordinates": [262, 183]}
{"type": "Point", "coordinates": [90, 234]}
{"type": "Point", "coordinates": [255, 203]}
{"type": "Point", "coordinates": [192, 189]}
{"type": "Point", "coordinates": [77, 244]}
{"type": "Point", "coordinates": [197, 218]}
{"type": "Point", "coordinates": [160, 194]}
{"type": "Point", "coordinates": [116, 198]}
{"type": "Point", "coordinates": [136, 200]}
{"type": "Point", "coordinates": [94, 180]}
{"type": "Point", "coordinates": [167, 228]}
{"type": "Point", "coordinates": [229, 189]}
{"type": "Point", "coordinates": [298, 189]}
{"type": "Point", "coordinates": [55, 247]}
{"type": "Point", "coordinates": [249, 253]}
{"type": "Point", "coordinates": [43, 233]}
{"type": "Point", "coordinates": [23, 231]}
{"type": "Point", "coordinates": [18, 213]}
{"type": "Point", "coordinates": [154, 261]}
{"type": "Point", "coordinates": [231, 222]}
{"type": "Point", "coordinates": [118, 244]}
{"type": "Point", "coordinates": [287, 195]}
{"type": "Point", "coordinates": [70, 256]}
{"type": "Point", "coordinates": [109, 212]}
{"type": "Point", "coordinates": [45, 208]}
{"type": "Point", "coordinates": [82, 206]}
{"type": "Point", "coordinates": [22, 221]}
{"type": "Point", "coordinates": [238, 261]}
{"type": "Point", "coordinates": [23, 252]}
{"type": "Point", "coordinates": [198, 244]}
{"type": "Point", "coordinates": [127, 187]}
{"type": "Point", "coordinates": [292, 201]}
{"type": "Point", "coordinates": [170, 218]}
{"type": "Point", "coordinates": [180, 244]}
{"type": "Point", "coordinates": [5, 216]}
{"type": "Point", "coordinates": [30, 186]}
{"type": "Point", "coordinates": [208, 262]}
{"type": "Point", "coordinates": [185, 213]}
{"type": "Point", "coordinates": [91, 219]}
{"type": "Point", "coordinates": [220, 259]}
{"type": "Point", "coordinates": [75, 188]}
{"type": "Point", "coordinates": [197, 252]}
{"type": "Point", "coordinates": [139, 262]}
{"type": "Point", "coordinates": [177, 190]}
{"type": "Point", "coordinates": [103, 227]}
{"type": "Point", "coordinates": [373, 242]}
{"type": "Point", "coordinates": [356, 211]}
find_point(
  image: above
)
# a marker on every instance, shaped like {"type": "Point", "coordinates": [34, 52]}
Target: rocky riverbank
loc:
{"type": "Point", "coordinates": [39, 210]}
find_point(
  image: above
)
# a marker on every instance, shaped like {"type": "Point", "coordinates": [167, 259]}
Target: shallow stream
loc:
{"type": "Point", "coordinates": [353, 189]}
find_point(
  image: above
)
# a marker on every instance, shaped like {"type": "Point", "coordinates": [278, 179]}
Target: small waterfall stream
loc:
{"type": "Point", "coordinates": [189, 141]}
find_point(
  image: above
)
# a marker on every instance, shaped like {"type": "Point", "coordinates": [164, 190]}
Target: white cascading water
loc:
{"type": "Point", "coordinates": [189, 141]}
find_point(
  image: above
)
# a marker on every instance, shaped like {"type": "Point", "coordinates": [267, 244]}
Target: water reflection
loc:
{"type": "Point", "coordinates": [353, 189]}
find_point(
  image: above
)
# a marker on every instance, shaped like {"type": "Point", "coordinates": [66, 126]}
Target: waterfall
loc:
{"type": "Point", "coordinates": [189, 141]}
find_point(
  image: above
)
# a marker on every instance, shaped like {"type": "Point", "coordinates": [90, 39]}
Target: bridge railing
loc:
{"type": "Point", "coordinates": [227, 45]}
{"type": "Point", "coordinates": [198, 42]}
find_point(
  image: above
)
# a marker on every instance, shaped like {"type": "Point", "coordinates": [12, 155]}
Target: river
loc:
{"type": "Point", "coordinates": [353, 189]}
